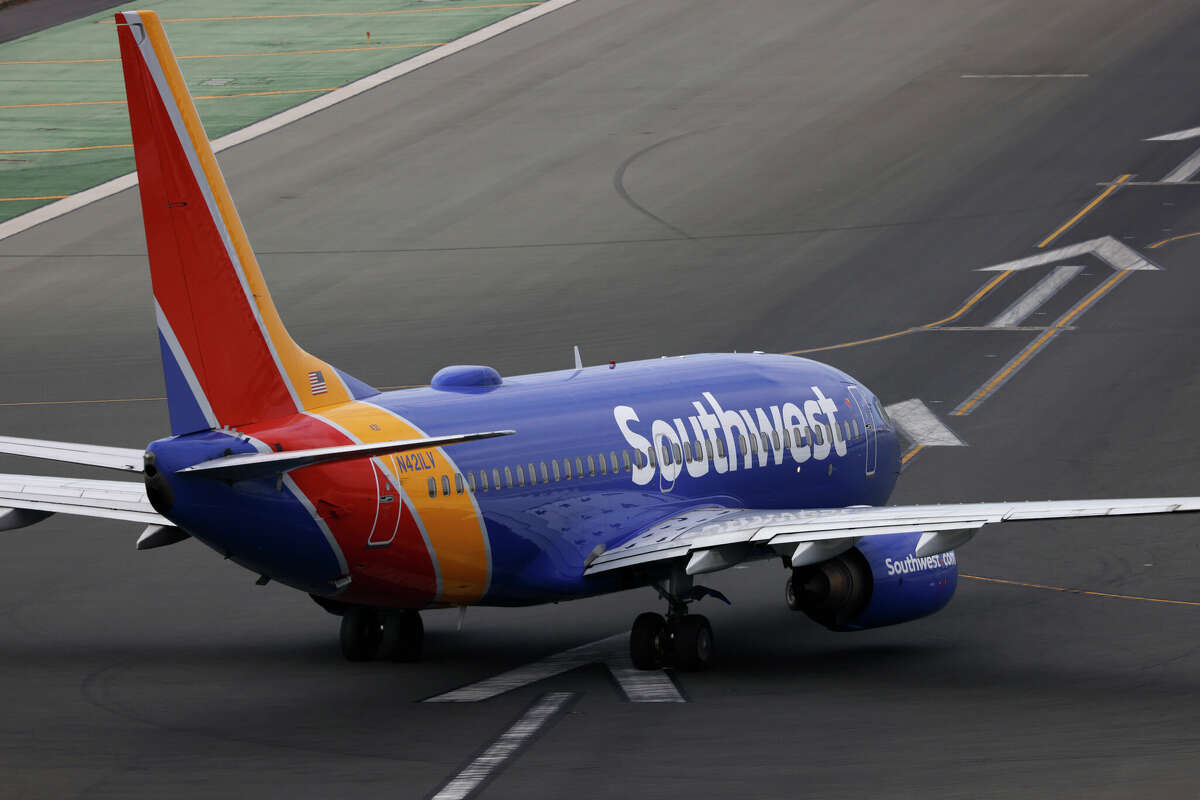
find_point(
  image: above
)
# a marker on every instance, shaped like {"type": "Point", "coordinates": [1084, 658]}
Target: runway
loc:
{"type": "Point", "coordinates": [646, 179]}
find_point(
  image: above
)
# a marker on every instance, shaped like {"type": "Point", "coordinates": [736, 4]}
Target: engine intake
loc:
{"type": "Point", "coordinates": [879, 582]}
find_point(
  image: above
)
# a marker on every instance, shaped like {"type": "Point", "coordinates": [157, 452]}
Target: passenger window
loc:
{"type": "Point", "coordinates": [471, 481]}
{"type": "Point", "coordinates": [446, 485]}
{"type": "Point", "coordinates": [567, 468]}
{"type": "Point", "coordinates": [532, 476]}
{"type": "Point", "coordinates": [612, 459]}
{"type": "Point", "coordinates": [432, 488]}
{"type": "Point", "coordinates": [787, 438]}
{"type": "Point", "coordinates": [753, 441]}
{"type": "Point", "coordinates": [625, 465]}
{"type": "Point", "coordinates": [483, 479]}
{"type": "Point", "coordinates": [818, 438]}
{"type": "Point", "coordinates": [721, 447]}
{"type": "Point", "coordinates": [554, 466]}
{"type": "Point", "coordinates": [458, 483]}
{"type": "Point", "coordinates": [638, 459]}
{"type": "Point", "coordinates": [579, 467]}
{"type": "Point", "coordinates": [678, 454]}
{"type": "Point", "coordinates": [799, 434]}
{"type": "Point", "coordinates": [666, 448]}
{"type": "Point", "coordinates": [775, 438]}
{"type": "Point", "coordinates": [603, 464]}
{"type": "Point", "coordinates": [496, 478]}
{"type": "Point", "coordinates": [651, 457]}
{"type": "Point", "coordinates": [741, 440]}
{"type": "Point", "coordinates": [687, 452]}
{"type": "Point", "coordinates": [545, 474]}
{"type": "Point", "coordinates": [520, 476]}
{"type": "Point", "coordinates": [591, 462]}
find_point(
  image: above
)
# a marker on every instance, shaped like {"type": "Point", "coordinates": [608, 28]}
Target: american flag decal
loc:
{"type": "Point", "coordinates": [316, 383]}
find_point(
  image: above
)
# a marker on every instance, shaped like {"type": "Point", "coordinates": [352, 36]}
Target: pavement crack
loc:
{"type": "Point", "coordinates": [623, 193]}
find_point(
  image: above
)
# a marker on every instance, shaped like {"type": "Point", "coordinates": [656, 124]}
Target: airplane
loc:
{"type": "Point", "coordinates": [488, 490]}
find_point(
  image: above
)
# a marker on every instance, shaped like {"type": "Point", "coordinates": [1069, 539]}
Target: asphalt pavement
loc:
{"type": "Point", "coordinates": [657, 178]}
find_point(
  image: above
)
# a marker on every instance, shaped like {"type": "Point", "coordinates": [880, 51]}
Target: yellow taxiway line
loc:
{"type": "Point", "coordinates": [1080, 591]}
{"type": "Point", "coordinates": [1084, 211]}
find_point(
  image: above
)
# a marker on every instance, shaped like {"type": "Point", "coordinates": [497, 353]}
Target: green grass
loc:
{"type": "Point", "coordinates": [94, 37]}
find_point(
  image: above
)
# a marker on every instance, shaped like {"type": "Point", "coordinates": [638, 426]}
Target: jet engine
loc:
{"type": "Point", "coordinates": [879, 582]}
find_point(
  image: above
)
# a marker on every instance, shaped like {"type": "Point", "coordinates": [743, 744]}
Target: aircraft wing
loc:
{"type": "Point", "coordinates": [26, 499]}
{"type": "Point", "coordinates": [714, 538]}
{"type": "Point", "coordinates": [126, 459]}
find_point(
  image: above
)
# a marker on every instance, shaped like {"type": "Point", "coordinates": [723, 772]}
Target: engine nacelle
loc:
{"type": "Point", "coordinates": [879, 582]}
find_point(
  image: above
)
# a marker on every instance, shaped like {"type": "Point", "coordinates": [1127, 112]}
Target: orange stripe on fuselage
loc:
{"type": "Point", "coordinates": [452, 523]}
{"type": "Point", "coordinates": [296, 362]}
{"type": "Point", "coordinates": [346, 496]}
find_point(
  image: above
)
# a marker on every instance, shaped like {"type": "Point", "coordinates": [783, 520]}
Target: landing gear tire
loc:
{"type": "Point", "coordinates": [789, 593]}
{"type": "Point", "coordinates": [402, 636]}
{"type": "Point", "coordinates": [691, 642]}
{"type": "Point", "coordinates": [646, 640]}
{"type": "Point", "coordinates": [361, 634]}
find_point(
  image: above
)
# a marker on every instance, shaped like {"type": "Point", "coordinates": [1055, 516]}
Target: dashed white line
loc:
{"type": "Point", "coordinates": [499, 752]}
{"type": "Point", "coordinates": [1025, 75]}
{"type": "Point", "coordinates": [639, 686]}
{"type": "Point", "coordinates": [1036, 297]}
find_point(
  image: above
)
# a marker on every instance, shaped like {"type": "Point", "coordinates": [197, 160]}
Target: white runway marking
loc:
{"type": "Point", "coordinates": [108, 188]}
{"type": "Point", "coordinates": [1184, 171]}
{"type": "Point", "coordinates": [1116, 254]}
{"type": "Point", "coordinates": [1037, 345]}
{"type": "Point", "coordinates": [1177, 136]}
{"type": "Point", "coordinates": [921, 426]}
{"type": "Point", "coordinates": [639, 686]}
{"type": "Point", "coordinates": [499, 752]}
{"type": "Point", "coordinates": [1026, 75]}
{"type": "Point", "coordinates": [1035, 298]}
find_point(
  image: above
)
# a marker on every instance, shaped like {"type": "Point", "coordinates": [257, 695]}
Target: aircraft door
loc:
{"type": "Point", "coordinates": [388, 508]}
{"type": "Point", "coordinates": [870, 428]}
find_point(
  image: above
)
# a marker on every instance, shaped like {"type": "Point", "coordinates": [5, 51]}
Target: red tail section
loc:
{"type": "Point", "coordinates": [227, 357]}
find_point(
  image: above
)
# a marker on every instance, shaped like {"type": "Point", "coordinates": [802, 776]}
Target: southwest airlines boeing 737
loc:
{"type": "Point", "coordinates": [483, 489]}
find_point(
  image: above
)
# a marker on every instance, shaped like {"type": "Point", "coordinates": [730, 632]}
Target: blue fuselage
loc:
{"type": "Point", "coordinates": [598, 456]}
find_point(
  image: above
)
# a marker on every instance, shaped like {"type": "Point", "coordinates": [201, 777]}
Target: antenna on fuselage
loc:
{"type": "Point", "coordinates": [578, 358]}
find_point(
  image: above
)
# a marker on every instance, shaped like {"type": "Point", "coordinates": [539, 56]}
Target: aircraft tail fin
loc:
{"type": "Point", "coordinates": [227, 358]}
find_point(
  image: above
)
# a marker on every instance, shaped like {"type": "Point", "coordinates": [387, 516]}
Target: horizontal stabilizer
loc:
{"type": "Point", "coordinates": [126, 459]}
{"type": "Point", "coordinates": [122, 500]}
{"type": "Point", "coordinates": [247, 466]}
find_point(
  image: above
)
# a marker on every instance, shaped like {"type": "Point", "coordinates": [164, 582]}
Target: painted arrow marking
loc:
{"type": "Point", "coordinates": [1035, 298]}
{"type": "Point", "coordinates": [1191, 165]}
{"type": "Point", "coordinates": [921, 426]}
{"type": "Point", "coordinates": [639, 686]}
{"type": "Point", "coordinates": [1117, 255]}
{"type": "Point", "coordinates": [1177, 136]}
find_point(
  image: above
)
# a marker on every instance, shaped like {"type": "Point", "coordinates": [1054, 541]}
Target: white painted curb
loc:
{"type": "Point", "coordinates": [120, 184]}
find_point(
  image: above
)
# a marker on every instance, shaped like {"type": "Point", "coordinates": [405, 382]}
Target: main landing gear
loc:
{"type": "Point", "coordinates": [369, 633]}
{"type": "Point", "coordinates": [680, 640]}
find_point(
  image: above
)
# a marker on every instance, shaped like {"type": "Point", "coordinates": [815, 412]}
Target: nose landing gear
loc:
{"type": "Point", "coordinates": [680, 640]}
{"type": "Point", "coordinates": [369, 633]}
